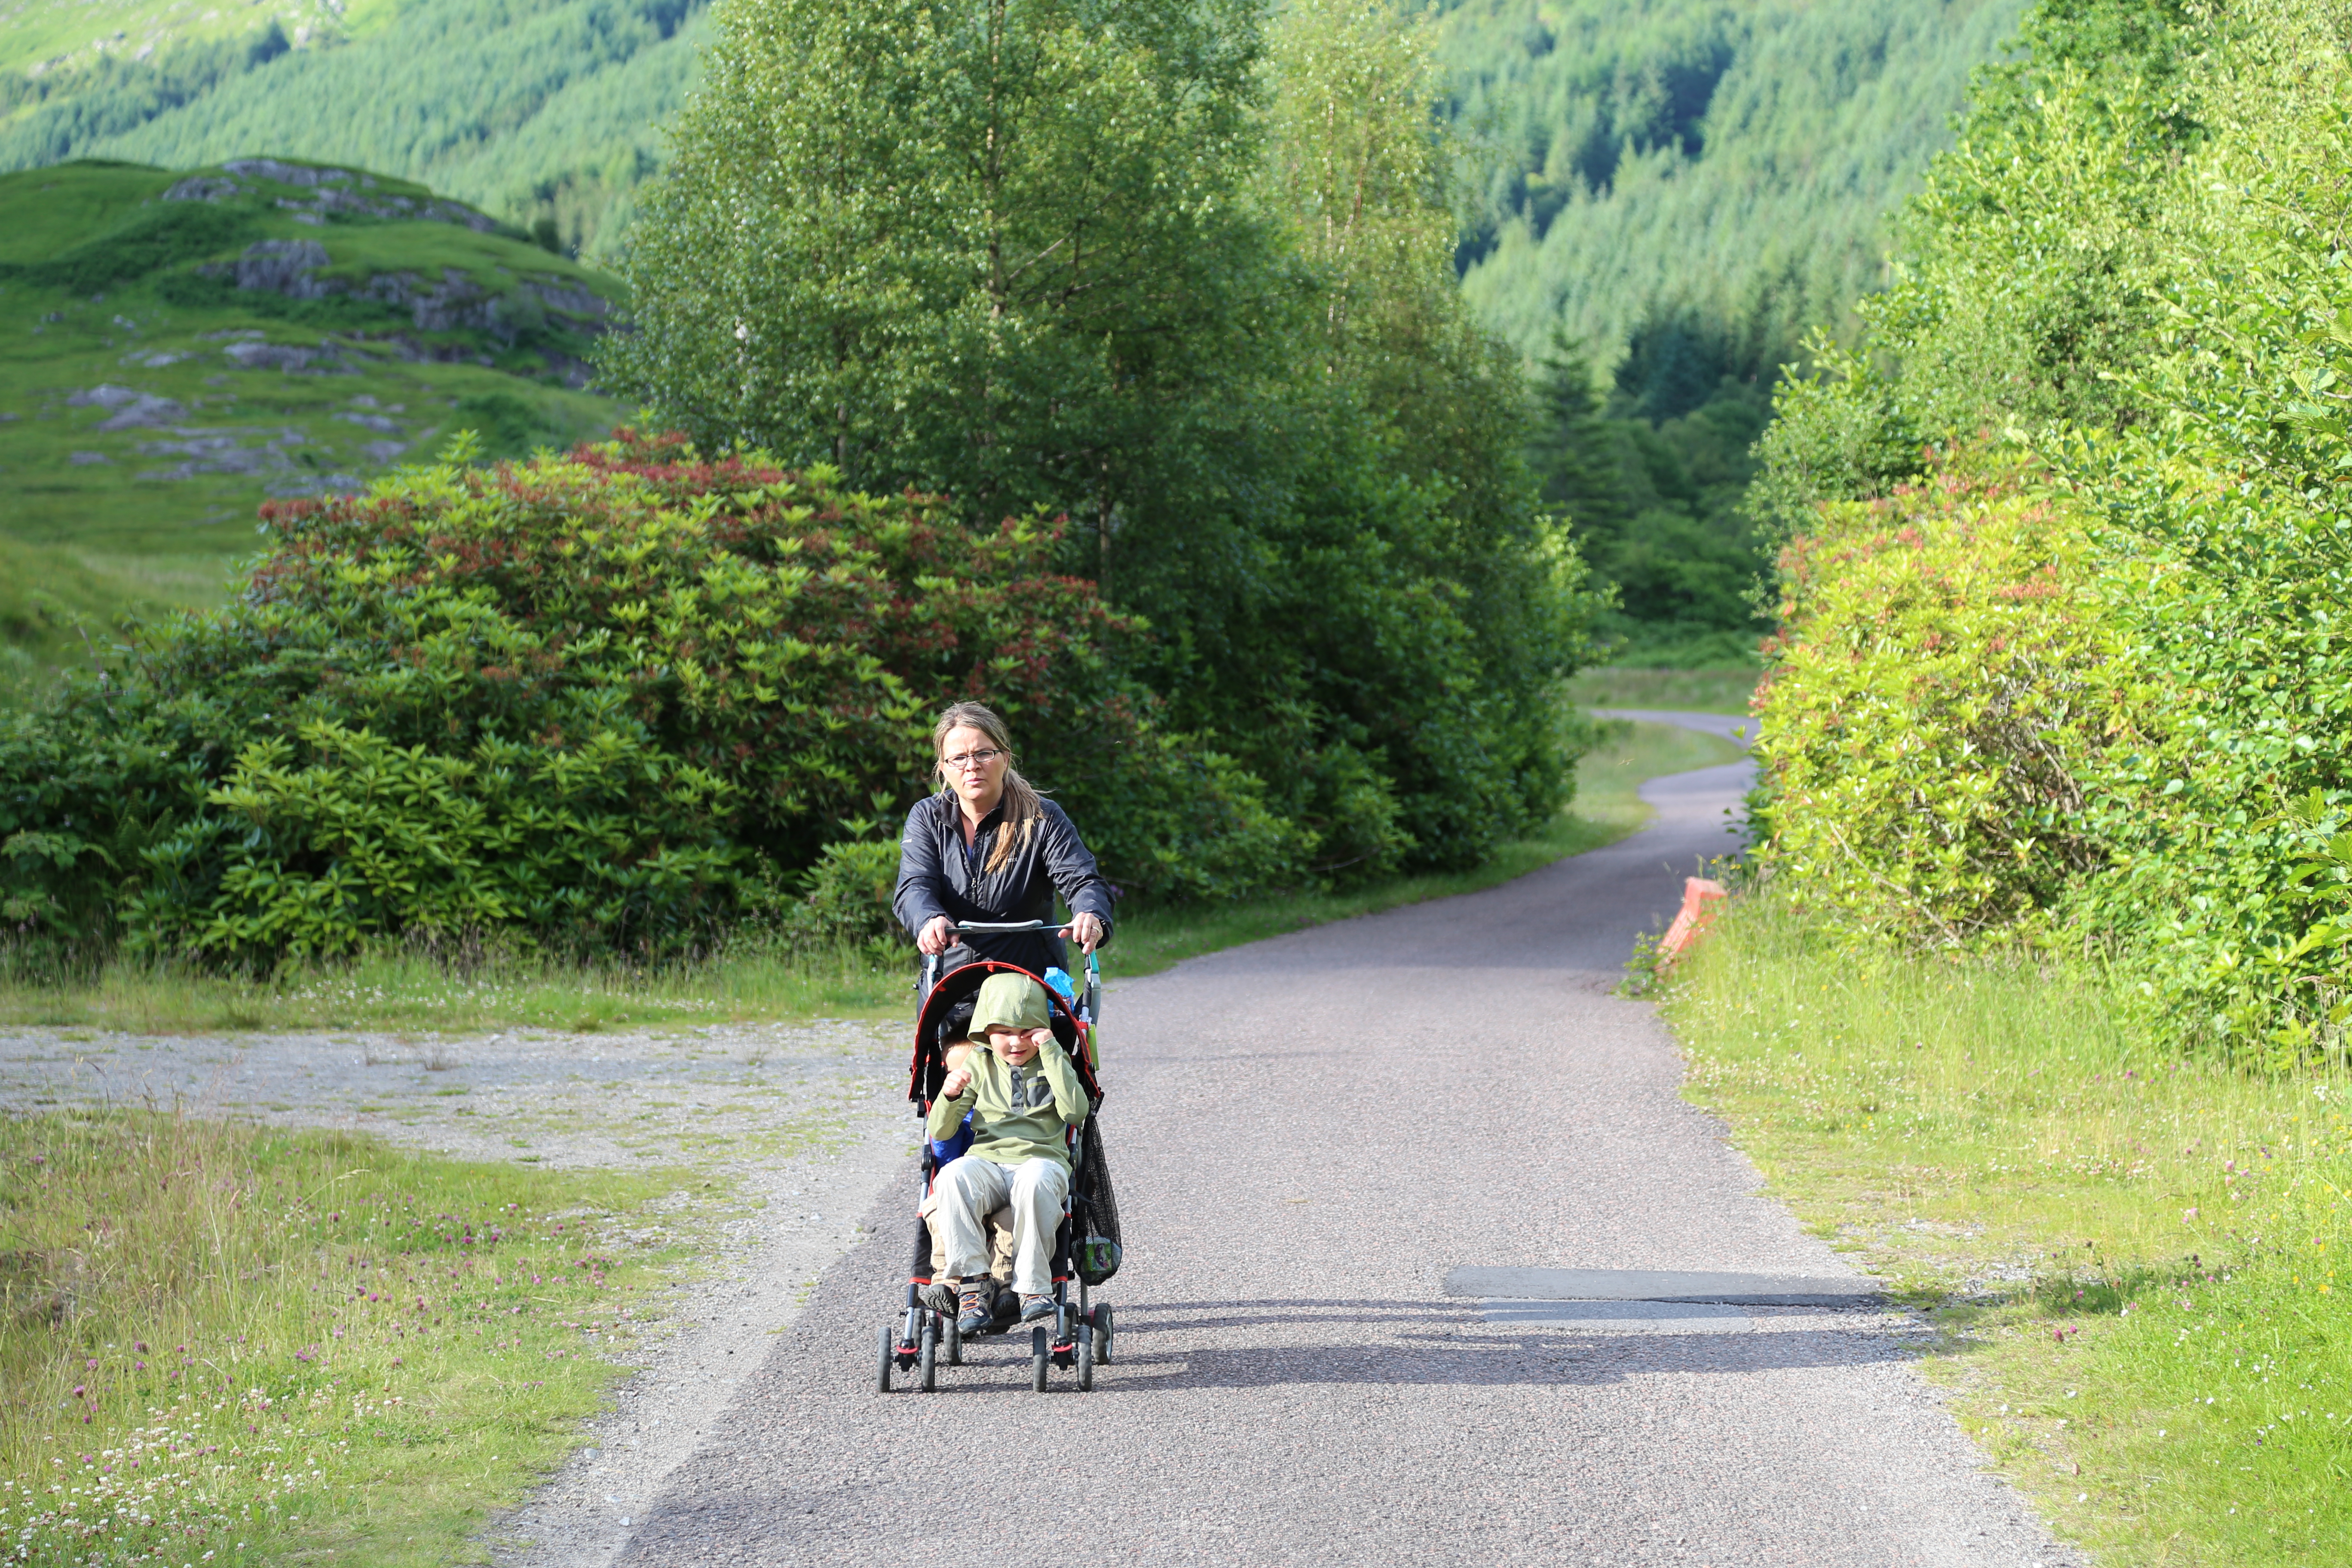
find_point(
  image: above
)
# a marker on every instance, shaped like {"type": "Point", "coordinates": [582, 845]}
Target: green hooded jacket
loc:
{"type": "Point", "coordinates": [1018, 1113]}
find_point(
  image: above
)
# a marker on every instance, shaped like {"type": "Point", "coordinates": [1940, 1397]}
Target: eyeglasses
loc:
{"type": "Point", "coordinates": [963, 760]}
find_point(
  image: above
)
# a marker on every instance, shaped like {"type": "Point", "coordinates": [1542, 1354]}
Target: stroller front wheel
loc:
{"type": "Point", "coordinates": [929, 1357]}
{"type": "Point", "coordinates": [955, 1340]}
{"type": "Point", "coordinates": [890, 1353]}
{"type": "Point", "coordinates": [1041, 1356]}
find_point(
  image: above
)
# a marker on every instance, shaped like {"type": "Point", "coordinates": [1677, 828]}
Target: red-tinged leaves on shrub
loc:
{"type": "Point", "coordinates": [606, 700]}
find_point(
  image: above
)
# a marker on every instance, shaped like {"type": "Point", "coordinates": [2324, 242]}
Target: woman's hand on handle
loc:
{"type": "Point", "coordinates": [1087, 931]}
{"type": "Point", "coordinates": [937, 935]}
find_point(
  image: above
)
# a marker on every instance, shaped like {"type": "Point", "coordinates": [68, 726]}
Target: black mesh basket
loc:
{"type": "Point", "coordinates": [1094, 1210]}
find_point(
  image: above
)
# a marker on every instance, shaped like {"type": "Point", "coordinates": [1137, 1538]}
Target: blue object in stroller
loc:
{"type": "Point", "coordinates": [946, 1149]}
{"type": "Point", "coordinates": [921, 1338]}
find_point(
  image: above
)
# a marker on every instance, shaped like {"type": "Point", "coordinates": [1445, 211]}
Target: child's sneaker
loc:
{"type": "Point", "coordinates": [976, 1314]}
{"type": "Point", "coordinates": [1036, 1307]}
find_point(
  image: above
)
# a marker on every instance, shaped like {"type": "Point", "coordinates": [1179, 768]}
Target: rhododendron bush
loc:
{"type": "Point", "coordinates": [606, 700]}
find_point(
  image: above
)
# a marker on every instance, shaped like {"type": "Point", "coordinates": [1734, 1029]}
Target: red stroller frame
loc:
{"type": "Point", "coordinates": [1080, 1336]}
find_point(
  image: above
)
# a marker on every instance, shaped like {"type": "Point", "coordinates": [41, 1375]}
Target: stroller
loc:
{"type": "Point", "coordinates": [1085, 1244]}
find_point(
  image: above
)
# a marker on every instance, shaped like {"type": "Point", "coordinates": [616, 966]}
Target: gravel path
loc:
{"type": "Point", "coordinates": [1310, 1132]}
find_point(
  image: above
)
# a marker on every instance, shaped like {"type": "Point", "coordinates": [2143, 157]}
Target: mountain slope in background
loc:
{"type": "Point", "coordinates": [1722, 170]}
{"type": "Point", "coordinates": [178, 347]}
{"type": "Point", "coordinates": [1676, 191]}
{"type": "Point", "coordinates": [530, 110]}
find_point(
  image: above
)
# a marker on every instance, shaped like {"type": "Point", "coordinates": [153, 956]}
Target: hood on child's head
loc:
{"type": "Point", "coordinates": [1009, 1002]}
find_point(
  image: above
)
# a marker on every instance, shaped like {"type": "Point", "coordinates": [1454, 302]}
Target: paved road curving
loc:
{"type": "Point", "coordinates": [1310, 1133]}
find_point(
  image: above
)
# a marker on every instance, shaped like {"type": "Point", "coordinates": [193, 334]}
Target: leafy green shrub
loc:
{"type": "Point", "coordinates": [844, 898]}
{"type": "Point", "coordinates": [1945, 680]}
{"type": "Point", "coordinates": [2230, 570]}
{"type": "Point", "coordinates": [2170, 778]}
{"type": "Point", "coordinates": [595, 700]}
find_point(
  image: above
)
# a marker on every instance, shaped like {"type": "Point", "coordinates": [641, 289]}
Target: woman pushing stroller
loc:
{"type": "Point", "coordinates": [1004, 1071]}
{"type": "Point", "coordinates": [1022, 1092]}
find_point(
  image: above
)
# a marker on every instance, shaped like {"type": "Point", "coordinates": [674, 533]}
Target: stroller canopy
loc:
{"type": "Point", "coordinates": [946, 1014]}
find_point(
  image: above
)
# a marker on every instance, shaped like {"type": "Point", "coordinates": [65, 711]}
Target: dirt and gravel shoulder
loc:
{"type": "Point", "coordinates": [785, 1139]}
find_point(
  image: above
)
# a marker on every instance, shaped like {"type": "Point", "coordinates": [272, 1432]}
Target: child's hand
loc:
{"type": "Point", "coordinates": [957, 1083]}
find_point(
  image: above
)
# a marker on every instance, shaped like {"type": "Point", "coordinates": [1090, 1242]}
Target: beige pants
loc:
{"type": "Point", "coordinates": [970, 1188]}
{"type": "Point", "coordinates": [1000, 1242]}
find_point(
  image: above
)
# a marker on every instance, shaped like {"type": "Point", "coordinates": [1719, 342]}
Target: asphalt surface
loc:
{"type": "Point", "coordinates": [1309, 1134]}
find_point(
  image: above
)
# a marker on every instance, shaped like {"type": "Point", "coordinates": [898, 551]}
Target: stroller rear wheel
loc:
{"type": "Point", "coordinates": [1041, 1356]}
{"type": "Point", "coordinates": [1102, 1334]}
{"type": "Point", "coordinates": [929, 1356]}
{"type": "Point", "coordinates": [1085, 1359]}
{"type": "Point", "coordinates": [890, 1353]}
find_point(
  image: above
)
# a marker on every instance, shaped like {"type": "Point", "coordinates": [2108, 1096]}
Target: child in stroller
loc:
{"type": "Point", "coordinates": [1034, 1174]}
{"type": "Point", "coordinates": [1022, 1094]}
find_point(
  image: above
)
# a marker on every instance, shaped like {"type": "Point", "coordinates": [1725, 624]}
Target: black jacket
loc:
{"type": "Point", "coordinates": [938, 877]}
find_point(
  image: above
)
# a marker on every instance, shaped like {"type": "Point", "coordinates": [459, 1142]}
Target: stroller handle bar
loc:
{"type": "Point", "coordinates": [1092, 996]}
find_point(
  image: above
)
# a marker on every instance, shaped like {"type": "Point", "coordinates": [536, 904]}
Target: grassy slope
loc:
{"type": "Point", "coordinates": [407, 990]}
{"type": "Point", "coordinates": [2134, 1259]}
{"type": "Point", "coordinates": [37, 33]}
{"type": "Point", "coordinates": [126, 538]}
{"type": "Point", "coordinates": [526, 109]}
{"type": "Point", "coordinates": [53, 212]}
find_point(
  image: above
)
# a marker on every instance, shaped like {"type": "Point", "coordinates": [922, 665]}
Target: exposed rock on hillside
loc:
{"type": "Point", "coordinates": [457, 301]}
{"type": "Point", "coordinates": [321, 360]}
{"type": "Point", "coordinates": [333, 191]}
{"type": "Point", "coordinates": [127, 409]}
{"type": "Point", "coordinates": [283, 267]}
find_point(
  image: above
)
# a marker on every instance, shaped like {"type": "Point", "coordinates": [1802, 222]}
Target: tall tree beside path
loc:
{"type": "Point", "coordinates": [997, 250]}
{"type": "Point", "coordinates": [1363, 172]}
{"type": "Point", "coordinates": [1416, 468]}
{"type": "Point", "coordinates": [1184, 275]}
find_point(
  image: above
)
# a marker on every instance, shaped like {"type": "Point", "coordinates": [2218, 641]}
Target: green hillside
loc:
{"type": "Point", "coordinates": [1726, 169]}
{"type": "Point", "coordinates": [530, 109]}
{"type": "Point", "coordinates": [1715, 170]}
{"type": "Point", "coordinates": [178, 348]}
{"type": "Point", "coordinates": [1674, 192]}
{"type": "Point", "coordinates": [1667, 194]}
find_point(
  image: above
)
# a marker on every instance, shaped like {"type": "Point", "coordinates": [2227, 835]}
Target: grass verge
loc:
{"type": "Point", "coordinates": [2132, 1258]}
{"type": "Point", "coordinates": [236, 1346]}
{"type": "Point", "coordinates": [394, 988]}
{"type": "Point", "coordinates": [399, 989]}
{"type": "Point", "coordinates": [1702, 691]}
